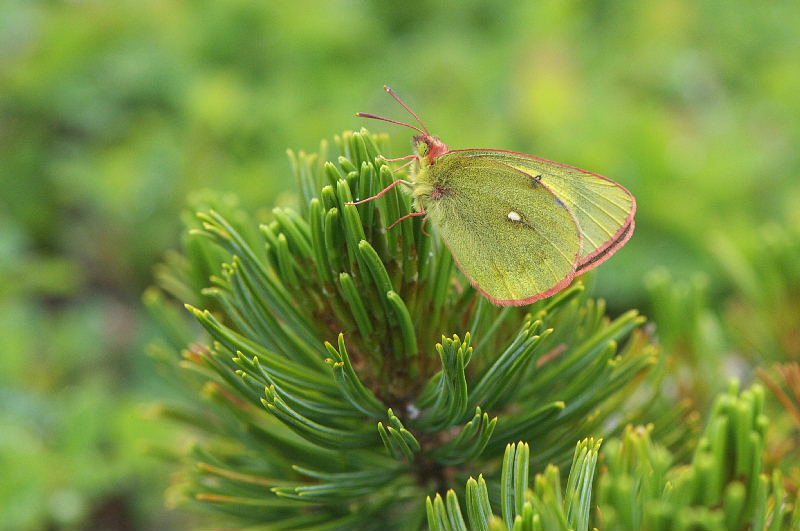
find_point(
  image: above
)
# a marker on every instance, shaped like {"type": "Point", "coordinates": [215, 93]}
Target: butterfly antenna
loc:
{"type": "Point", "coordinates": [391, 92]}
{"type": "Point", "coordinates": [366, 115]}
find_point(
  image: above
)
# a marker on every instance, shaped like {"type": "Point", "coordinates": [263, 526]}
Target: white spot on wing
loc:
{"type": "Point", "coordinates": [514, 216]}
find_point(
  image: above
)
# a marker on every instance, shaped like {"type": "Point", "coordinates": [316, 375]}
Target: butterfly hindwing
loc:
{"type": "Point", "coordinates": [604, 209]}
{"type": "Point", "coordinates": [510, 234]}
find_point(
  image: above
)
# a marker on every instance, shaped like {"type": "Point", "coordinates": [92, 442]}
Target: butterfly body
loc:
{"type": "Point", "coordinates": [519, 227]}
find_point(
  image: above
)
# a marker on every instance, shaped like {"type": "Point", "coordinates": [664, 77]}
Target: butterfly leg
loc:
{"type": "Point", "coordinates": [403, 166]}
{"type": "Point", "coordinates": [379, 194]}
{"type": "Point", "coordinates": [424, 222]}
{"type": "Point", "coordinates": [413, 157]}
{"type": "Point", "coordinates": [410, 215]}
{"type": "Point", "coordinates": [409, 158]}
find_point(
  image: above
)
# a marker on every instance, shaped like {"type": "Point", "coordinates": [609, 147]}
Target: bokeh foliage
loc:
{"type": "Point", "coordinates": [111, 113]}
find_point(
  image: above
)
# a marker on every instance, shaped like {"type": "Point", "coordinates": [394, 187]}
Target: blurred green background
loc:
{"type": "Point", "coordinates": [113, 113]}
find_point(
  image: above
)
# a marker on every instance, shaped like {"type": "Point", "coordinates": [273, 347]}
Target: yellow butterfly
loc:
{"type": "Point", "coordinates": [520, 227]}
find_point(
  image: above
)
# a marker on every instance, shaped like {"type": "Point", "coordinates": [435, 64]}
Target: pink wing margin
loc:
{"type": "Point", "coordinates": [610, 247]}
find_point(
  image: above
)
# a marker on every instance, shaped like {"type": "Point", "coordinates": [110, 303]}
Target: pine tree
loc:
{"type": "Point", "coordinates": [348, 377]}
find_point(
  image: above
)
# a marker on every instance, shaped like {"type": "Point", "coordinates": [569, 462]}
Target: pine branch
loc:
{"type": "Point", "coordinates": [344, 361]}
{"type": "Point", "coordinates": [723, 487]}
{"type": "Point", "coordinates": [640, 487]}
{"type": "Point", "coordinates": [542, 507]}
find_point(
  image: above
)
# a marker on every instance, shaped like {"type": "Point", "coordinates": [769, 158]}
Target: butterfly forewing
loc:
{"type": "Point", "coordinates": [511, 235]}
{"type": "Point", "coordinates": [604, 209]}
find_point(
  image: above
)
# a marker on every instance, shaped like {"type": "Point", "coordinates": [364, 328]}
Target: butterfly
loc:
{"type": "Point", "coordinates": [518, 226]}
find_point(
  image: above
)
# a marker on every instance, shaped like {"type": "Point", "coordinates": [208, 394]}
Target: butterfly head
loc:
{"type": "Point", "coordinates": [429, 147]}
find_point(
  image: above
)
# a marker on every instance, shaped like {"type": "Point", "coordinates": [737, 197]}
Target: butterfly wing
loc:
{"type": "Point", "coordinates": [603, 208]}
{"type": "Point", "coordinates": [510, 234]}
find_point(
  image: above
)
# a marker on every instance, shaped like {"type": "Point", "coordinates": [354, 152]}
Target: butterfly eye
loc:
{"type": "Point", "coordinates": [422, 148]}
